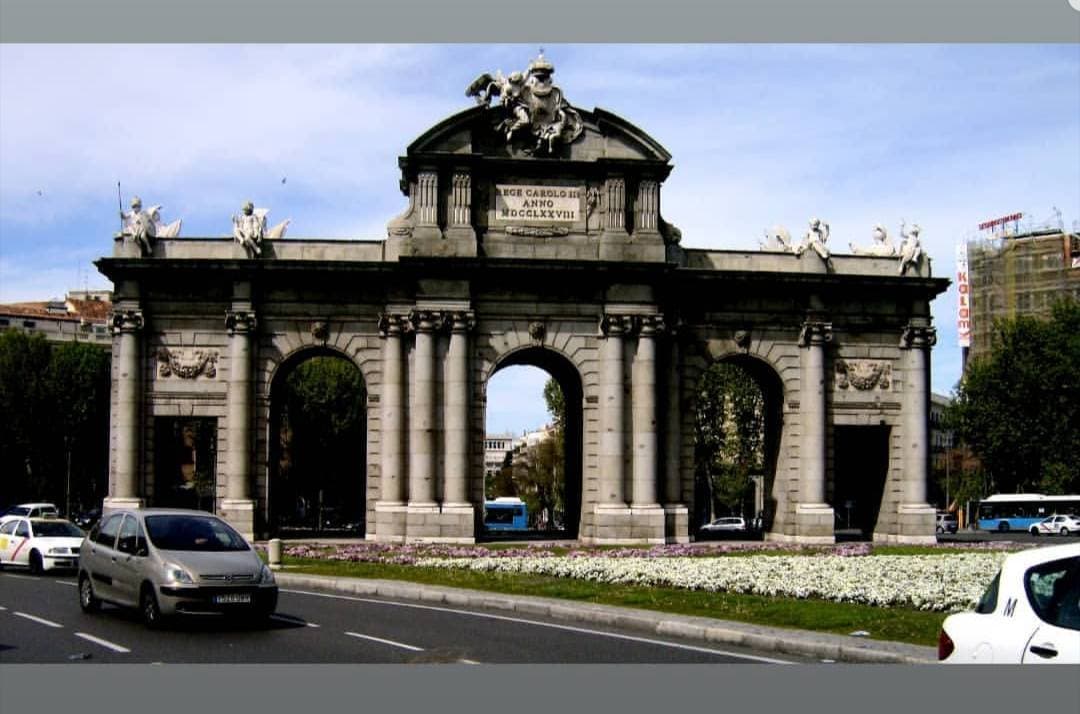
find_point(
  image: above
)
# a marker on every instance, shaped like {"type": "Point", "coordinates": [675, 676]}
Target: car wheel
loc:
{"type": "Point", "coordinates": [939, 530]}
{"type": "Point", "coordinates": [148, 608]}
{"type": "Point", "coordinates": [1003, 527]}
{"type": "Point", "coordinates": [87, 601]}
{"type": "Point", "coordinates": [37, 567]}
{"type": "Point", "coordinates": [1064, 531]}
{"type": "Point", "coordinates": [1034, 531]}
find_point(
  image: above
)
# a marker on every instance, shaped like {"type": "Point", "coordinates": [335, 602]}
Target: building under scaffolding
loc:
{"type": "Point", "coordinates": [1021, 269]}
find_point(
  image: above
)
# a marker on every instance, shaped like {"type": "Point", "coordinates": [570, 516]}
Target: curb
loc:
{"type": "Point", "coordinates": [823, 646]}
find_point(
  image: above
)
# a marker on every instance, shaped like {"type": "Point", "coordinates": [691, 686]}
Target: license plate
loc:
{"type": "Point", "coordinates": [232, 598]}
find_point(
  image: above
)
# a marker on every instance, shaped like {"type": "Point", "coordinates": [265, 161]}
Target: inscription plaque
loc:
{"type": "Point", "coordinates": [537, 204]}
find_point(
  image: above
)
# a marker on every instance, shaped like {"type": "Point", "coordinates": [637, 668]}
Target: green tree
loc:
{"type": "Point", "coordinates": [78, 379]}
{"type": "Point", "coordinates": [324, 434]}
{"type": "Point", "coordinates": [1018, 406]}
{"type": "Point", "coordinates": [54, 411]}
{"type": "Point", "coordinates": [729, 436]}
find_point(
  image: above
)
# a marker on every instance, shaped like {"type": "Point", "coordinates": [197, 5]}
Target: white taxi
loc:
{"type": "Point", "coordinates": [1030, 613]}
{"type": "Point", "coordinates": [40, 544]}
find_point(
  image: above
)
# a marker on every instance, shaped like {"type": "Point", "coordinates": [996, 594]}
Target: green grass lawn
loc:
{"type": "Point", "coordinates": [898, 624]}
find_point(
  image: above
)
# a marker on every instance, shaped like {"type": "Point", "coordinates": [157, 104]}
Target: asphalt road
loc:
{"type": "Point", "coordinates": [40, 622]}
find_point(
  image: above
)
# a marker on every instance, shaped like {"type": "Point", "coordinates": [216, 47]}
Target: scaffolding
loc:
{"type": "Point", "coordinates": [1020, 268]}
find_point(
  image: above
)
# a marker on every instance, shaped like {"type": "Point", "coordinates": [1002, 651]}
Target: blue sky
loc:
{"type": "Point", "coordinates": [942, 135]}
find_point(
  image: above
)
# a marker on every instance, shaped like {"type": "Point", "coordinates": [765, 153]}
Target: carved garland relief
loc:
{"type": "Point", "coordinates": [177, 363]}
{"type": "Point", "coordinates": [863, 374]}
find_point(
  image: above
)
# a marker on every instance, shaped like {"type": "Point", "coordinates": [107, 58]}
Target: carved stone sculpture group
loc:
{"type": "Point", "coordinates": [778, 240]}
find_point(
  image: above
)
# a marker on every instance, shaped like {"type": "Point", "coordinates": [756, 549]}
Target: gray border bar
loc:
{"type": "Point", "coordinates": [539, 21]}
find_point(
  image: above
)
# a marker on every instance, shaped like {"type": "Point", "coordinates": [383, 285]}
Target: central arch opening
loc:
{"type": "Point", "coordinates": [737, 423]}
{"type": "Point", "coordinates": [533, 472]}
{"type": "Point", "coordinates": [318, 423]}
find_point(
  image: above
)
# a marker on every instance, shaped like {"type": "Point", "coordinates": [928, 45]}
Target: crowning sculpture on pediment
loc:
{"type": "Point", "coordinates": [529, 104]}
{"type": "Point", "coordinates": [142, 227]}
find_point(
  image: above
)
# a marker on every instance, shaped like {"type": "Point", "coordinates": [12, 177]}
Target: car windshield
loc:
{"type": "Point", "coordinates": [200, 533]}
{"type": "Point", "coordinates": [16, 511]}
{"type": "Point", "coordinates": [55, 529]}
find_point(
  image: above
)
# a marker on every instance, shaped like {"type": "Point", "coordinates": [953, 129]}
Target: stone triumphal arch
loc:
{"type": "Point", "coordinates": [533, 235]}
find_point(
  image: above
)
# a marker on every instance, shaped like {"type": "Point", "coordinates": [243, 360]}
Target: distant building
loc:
{"type": "Point", "coordinates": [83, 316]}
{"type": "Point", "coordinates": [1019, 272]}
{"type": "Point", "coordinates": [496, 447]}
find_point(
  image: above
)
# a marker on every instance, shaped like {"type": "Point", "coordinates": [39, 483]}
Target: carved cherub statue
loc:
{"type": "Point", "coordinates": [911, 251]}
{"type": "Point", "coordinates": [249, 228]}
{"type": "Point", "coordinates": [882, 245]}
{"type": "Point", "coordinates": [142, 227]}
{"type": "Point", "coordinates": [816, 238]}
{"type": "Point", "coordinates": [777, 239]}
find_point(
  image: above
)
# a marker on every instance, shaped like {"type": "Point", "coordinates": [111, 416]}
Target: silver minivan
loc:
{"type": "Point", "coordinates": [172, 561]}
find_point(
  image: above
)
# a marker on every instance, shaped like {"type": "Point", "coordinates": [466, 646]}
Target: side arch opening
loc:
{"type": "Point", "coordinates": [541, 469]}
{"type": "Point", "coordinates": [317, 447]}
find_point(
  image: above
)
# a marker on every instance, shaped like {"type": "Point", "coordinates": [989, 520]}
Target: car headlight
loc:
{"type": "Point", "coordinates": [57, 551]}
{"type": "Point", "coordinates": [176, 574]}
{"type": "Point", "coordinates": [266, 576]}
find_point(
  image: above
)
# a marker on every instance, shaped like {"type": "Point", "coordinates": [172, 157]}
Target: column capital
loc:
{"type": "Point", "coordinates": [425, 321]}
{"type": "Point", "coordinates": [650, 325]}
{"type": "Point", "coordinates": [392, 324]}
{"type": "Point", "coordinates": [128, 321]}
{"type": "Point", "coordinates": [815, 332]}
{"type": "Point", "coordinates": [461, 321]}
{"type": "Point", "coordinates": [616, 325]}
{"type": "Point", "coordinates": [240, 321]}
{"type": "Point", "coordinates": [917, 337]}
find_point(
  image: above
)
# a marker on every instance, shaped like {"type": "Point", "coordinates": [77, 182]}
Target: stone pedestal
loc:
{"type": "Point", "coordinates": [434, 524]}
{"type": "Point", "coordinates": [118, 503]}
{"type": "Point", "coordinates": [611, 525]}
{"type": "Point", "coordinates": [814, 523]}
{"type": "Point", "coordinates": [240, 513]}
{"type": "Point", "coordinates": [916, 525]}
{"type": "Point", "coordinates": [390, 522]}
{"type": "Point", "coordinates": [676, 523]}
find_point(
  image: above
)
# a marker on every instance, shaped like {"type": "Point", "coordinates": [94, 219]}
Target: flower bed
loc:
{"type": "Point", "coordinates": [941, 583]}
{"type": "Point", "coordinates": [949, 581]}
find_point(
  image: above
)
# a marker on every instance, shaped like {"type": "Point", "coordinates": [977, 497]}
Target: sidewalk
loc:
{"type": "Point", "coordinates": [819, 645]}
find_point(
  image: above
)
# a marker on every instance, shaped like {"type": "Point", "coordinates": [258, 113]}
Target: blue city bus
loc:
{"type": "Point", "coordinates": [506, 514]}
{"type": "Point", "coordinates": [1019, 511]}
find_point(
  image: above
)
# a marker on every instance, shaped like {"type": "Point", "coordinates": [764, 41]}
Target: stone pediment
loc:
{"type": "Point", "coordinates": [473, 133]}
{"type": "Point", "coordinates": [475, 188]}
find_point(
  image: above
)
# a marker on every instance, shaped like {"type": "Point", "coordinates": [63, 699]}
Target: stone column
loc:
{"type": "Point", "coordinates": [645, 469]}
{"type": "Point", "coordinates": [390, 508]}
{"type": "Point", "coordinates": [813, 516]}
{"type": "Point", "coordinates": [238, 505]}
{"type": "Point", "coordinates": [422, 411]}
{"type": "Point", "coordinates": [392, 412]}
{"type": "Point", "coordinates": [126, 325]}
{"type": "Point", "coordinates": [456, 421]}
{"type": "Point", "coordinates": [676, 515]}
{"type": "Point", "coordinates": [612, 465]}
{"type": "Point", "coordinates": [916, 522]}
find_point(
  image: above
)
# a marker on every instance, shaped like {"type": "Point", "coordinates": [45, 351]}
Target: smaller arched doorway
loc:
{"type": "Point", "coordinates": [738, 417]}
{"type": "Point", "coordinates": [317, 447]}
{"type": "Point", "coordinates": [547, 475]}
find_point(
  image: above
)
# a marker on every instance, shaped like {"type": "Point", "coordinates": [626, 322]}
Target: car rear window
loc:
{"type": "Point", "coordinates": [199, 533]}
{"type": "Point", "coordinates": [988, 601]}
{"type": "Point", "coordinates": [1053, 589]}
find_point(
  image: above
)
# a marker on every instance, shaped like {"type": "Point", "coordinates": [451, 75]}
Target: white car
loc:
{"type": "Point", "coordinates": [729, 524]}
{"type": "Point", "coordinates": [30, 510]}
{"type": "Point", "coordinates": [1056, 525]}
{"type": "Point", "coordinates": [40, 544]}
{"type": "Point", "coordinates": [1030, 613]}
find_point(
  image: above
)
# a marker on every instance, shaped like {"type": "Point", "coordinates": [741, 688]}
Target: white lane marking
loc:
{"type": "Point", "coordinates": [293, 620]}
{"type": "Point", "coordinates": [104, 643]}
{"type": "Point", "coordinates": [385, 642]}
{"type": "Point", "coordinates": [467, 661]}
{"type": "Point", "coordinates": [67, 582]}
{"type": "Point", "coordinates": [2, 608]}
{"type": "Point", "coordinates": [43, 621]}
{"type": "Point", "coordinates": [19, 577]}
{"type": "Point", "coordinates": [568, 628]}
